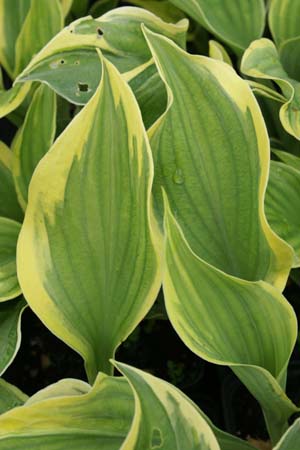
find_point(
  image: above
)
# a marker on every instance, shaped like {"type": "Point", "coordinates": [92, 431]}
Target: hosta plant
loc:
{"type": "Point", "coordinates": [141, 159]}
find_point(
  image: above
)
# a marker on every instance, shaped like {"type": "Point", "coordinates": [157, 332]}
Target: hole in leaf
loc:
{"type": "Point", "coordinates": [156, 439]}
{"type": "Point", "coordinates": [77, 63]}
{"type": "Point", "coordinates": [62, 61]}
{"type": "Point", "coordinates": [83, 87]}
{"type": "Point", "coordinates": [99, 32]}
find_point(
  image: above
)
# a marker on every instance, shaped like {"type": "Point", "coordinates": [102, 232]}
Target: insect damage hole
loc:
{"type": "Point", "coordinates": [83, 87]}
{"type": "Point", "coordinates": [99, 32]}
{"type": "Point", "coordinates": [156, 439]}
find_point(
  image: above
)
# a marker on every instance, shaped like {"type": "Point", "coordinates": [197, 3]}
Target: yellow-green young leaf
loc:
{"type": "Point", "coordinates": [70, 65]}
{"type": "Point", "coordinates": [99, 419]}
{"type": "Point", "coordinates": [9, 205]}
{"type": "Point", "coordinates": [290, 440]}
{"type": "Point", "coordinates": [86, 258]}
{"type": "Point", "coordinates": [66, 6]}
{"type": "Point", "coordinates": [261, 60]}
{"type": "Point", "coordinates": [64, 388]}
{"type": "Point", "coordinates": [161, 8]}
{"type": "Point", "coordinates": [287, 158]}
{"type": "Point", "coordinates": [12, 98]}
{"type": "Point", "coordinates": [9, 233]}
{"type": "Point", "coordinates": [223, 319]}
{"type": "Point", "coordinates": [43, 21]}
{"type": "Point", "coordinates": [211, 154]}
{"type": "Point", "coordinates": [282, 205]}
{"type": "Point", "coordinates": [278, 136]}
{"type": "Point", "coordinates": [217, 51]}
{"type": "Point", "coordinates": [10, 396]}
{"type": "Point", "coordinates": [266, 91]}
{"type": "Point", "coordinates": [284, 19]}
{"type": "Point", "coordinates": [12, 16]}
{"type": "Point", "coordinates": [234, 22]}
{"type": "Point", "coordinates": [164, 418]}
{"type": "Point", "coordinates": [34, 139]}
{"type": "Point", "coordinates": [10, 331]}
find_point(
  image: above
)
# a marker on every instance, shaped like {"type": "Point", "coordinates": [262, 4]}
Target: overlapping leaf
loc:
{"type": "Point", "coordinates": [261, 60]}
{"type": "Point", "coordinates": [289, 56]}
{"type": "Point", "coordinates": [9, 205]}
{"type": "Point", "coordinates": [217, 51]}
{"type": "Point", "coordinates": [214, 166]}
{"type": "Point", "coordinates": [282, 205]}
{"type": "Point", "coordinates": [10, 216]}
{"type": "Point", "coordinates": [9, 233]}
{"type": "Point", "coordinates": [161, 8]}
{"type": "Point", "coordinates": [10, 396]}
{"type": "Point", "coordinates": [66, 6]}
{"type": "Point", "coordinates": [278, 136]}
{"type": "Point", "coordinates": [12, 16]}
{"type": "Point", "coordinates": [140, 411]}
{"type": "Point", "coordinates": [80, 8]}
{"type": "Point", "coordinates": [86, 259]}
{"type": "Point", "coordinates": [25, 27]}
{"type": "Point", "coordinates": [43, 21]}
{"type": "Point", "coordinates": [102, 6]}
{"type": "Point", "coordinates": [97, 419]}
{"type": "Point", "coordinates": [283, 20]}
{"type": "Point", "coordinates": [69, 387]}
{"type": "Point", "coordinates": [287, 158]}
{"type": "Point", "coordinates": [108, 33]}
{"type": "Point", "coordinates": [234, 22]}
{"type": "Point", "coordinates": [29, 147]}
{"type": "Point", "coordinates": [223, 319]}
{"type": "Point", "coordinates": [290, 440]}
{"type": "Point", "coordinates": [69, 63]}
{"type": "Point", "coordinates": [211, 155]}
{"type": "Point", "coordinates": [266, 91]}
{"type": "Point", "coordinates": [10, 334]}
{"type": "Point", "coordinates": [11, 98]}
{"type": "Point", "coordinates": [164, 418]}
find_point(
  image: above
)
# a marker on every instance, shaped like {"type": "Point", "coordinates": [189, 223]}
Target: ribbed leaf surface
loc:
{"type": "Point", "coordinates": [236, 22]}
{"type": "Point", "coordinates": [164, 418]}
{"type": "Point", "coordinates": [86, 259]}
{"type": "Point", "coordinates": [282, 205]}
{"type": "Point", "coordinates": [99, 419]}
{"type": "Point", "coordinates": [261, 60]}
{"type": "Point", "coordinates": [211, 154]}
{"type": "Point", "coordinates": [34, 139]}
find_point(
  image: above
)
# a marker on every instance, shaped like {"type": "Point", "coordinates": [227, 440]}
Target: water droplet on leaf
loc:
{"type": "Point", "coordinates": [178, 177]}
